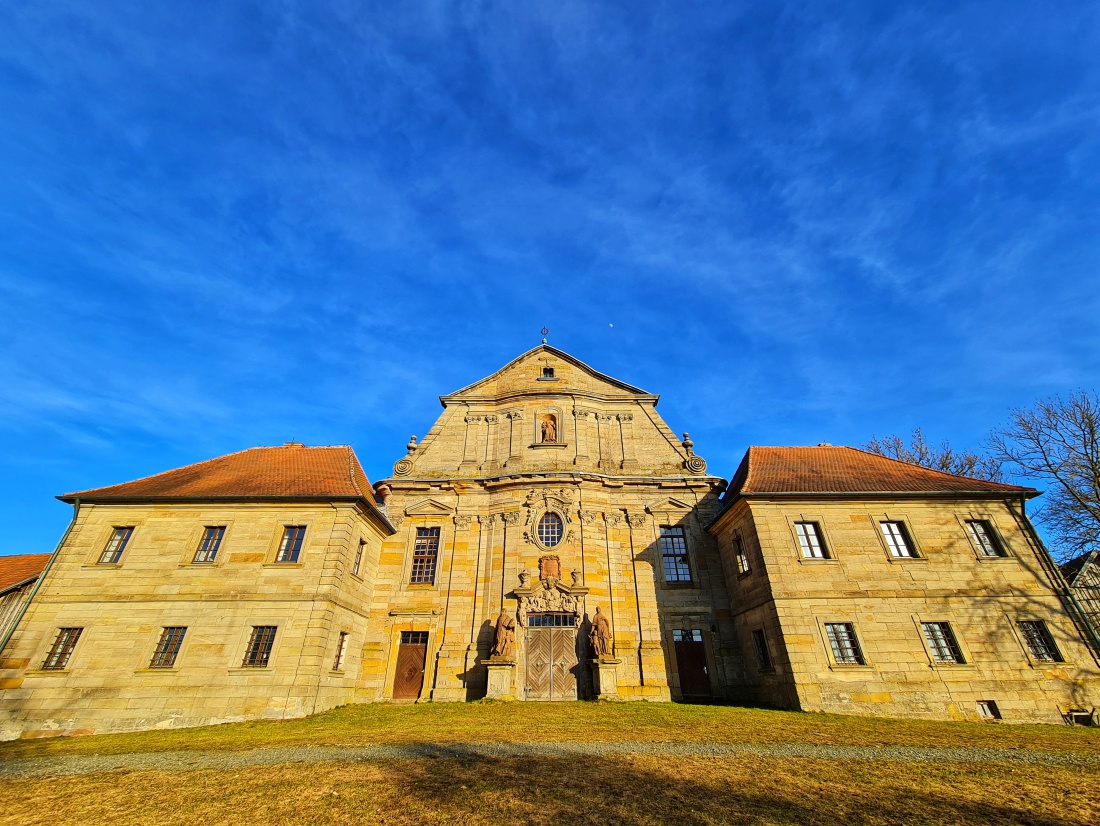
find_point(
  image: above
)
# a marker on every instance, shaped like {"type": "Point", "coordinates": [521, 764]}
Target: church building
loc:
{"type": "Point", "coordinates": [550, 538]}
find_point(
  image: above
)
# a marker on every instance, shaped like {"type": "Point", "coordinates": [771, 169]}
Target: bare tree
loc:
{"type": "Point", "coordinates": [1055, 442]}
{"type": "Point", "coordinates": [942, 457]}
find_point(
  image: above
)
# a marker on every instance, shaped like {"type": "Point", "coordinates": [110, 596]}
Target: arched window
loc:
{"type": "Point", "coordinates": [550, 529]}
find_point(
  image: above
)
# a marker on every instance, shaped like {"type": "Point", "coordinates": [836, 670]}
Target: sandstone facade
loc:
{"type": "Point", "coordinates": [550, 538]}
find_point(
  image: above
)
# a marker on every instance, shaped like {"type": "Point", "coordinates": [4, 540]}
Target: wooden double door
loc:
{"type": "Point", "coordinates": [551, 656]}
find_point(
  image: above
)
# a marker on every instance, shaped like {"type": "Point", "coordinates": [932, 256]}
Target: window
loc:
{"type": "Point", "coordinates": [211, 542]}
{"type": "Point", "coordinates": [845, 645]}
{"type": "Point", "coordinates": [693, 635]}
{"type": "Point", "coordinates": [341, 649]}
{"type": "Point", "coordinates": [674, 555]}
{"type": "Point", "coordinates": [551, 620]}
{"type": "Point", "coordinates": [550, 529]}
{"type": "Point", "coordinates": [414, 637]}
{"type": "Point", "coordinates": [115, 546]}
{"type": "Point", "coordinates": [291, 545]}
{"type": "Point", "coordinates": [809, 538]}
{"type": "Point", "coordinates": [548, 372]}
{"type": "Point", "coordinates": [984, 538]}
{"type": "Point", "coordinates": [760, 643]}
{"type": "Point", "coordinates": [987, 710]}
{"type": "Point", "coordinates": [169, 646]}
{"type": "Point", "coordinates": [740, 555]}
{"type": "Point", "coordinates": [425, 552]}
{"type": "Point", "coordinates": [259, 646]}
{"type": "Point", "coordinates": [1039, 641]}
{"type": "Point", "coordinates": [62, 648]}
{"type": "Point", "coordinates": [897, 540]}
{"type": "Point", "coordinates": [358, 558]}
{"type": "Point", "coordinates": [941, 642]}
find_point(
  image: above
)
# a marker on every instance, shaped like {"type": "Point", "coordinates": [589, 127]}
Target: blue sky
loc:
{"type": "Point", "coordinates": [232, 224]}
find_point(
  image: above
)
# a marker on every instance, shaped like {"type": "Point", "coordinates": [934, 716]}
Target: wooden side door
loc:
{"type": "Point", "coordinates": [691, 664]}
{"type": "Point", "coordinates": [408, 680]}
{"type": "Point", "coordinates": [563, 671]}
{"type": "Point", "coordinates": [539, 663]}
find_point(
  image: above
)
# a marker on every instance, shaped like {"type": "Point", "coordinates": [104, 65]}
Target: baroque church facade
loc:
{"type": "Point", "coordinates": [550, 538]}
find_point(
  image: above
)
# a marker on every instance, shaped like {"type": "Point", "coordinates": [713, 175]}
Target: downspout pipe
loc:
{"type": "Point", "coordinates": [41, 578]}
{"type": "Point", "coordinates": [1059, 581]}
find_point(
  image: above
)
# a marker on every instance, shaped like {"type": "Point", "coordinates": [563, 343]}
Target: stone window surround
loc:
{"type": "Point", "coordinates": [103, 535]}
{"type": "Point", "coordinates": [910, 534]}
{"type": "Point", "coordinates": [51, 640]}
{"type": "Point", "coordinates": [244, 634]}
{"type": "Point", "coordinates": [762, 629]}
{"type": "Point", "coordinates": [445, 536]}
{"type": "Point", "coordinates": [426, 620]}
{"type": "Point", "coordinates": [861, 637]}
{"type": "Point", "coordinates": [828, 546]}
{"type": "Point", "coordinates": [694, 621]}
{"type": "Point", "coordinates": [918, 622]}
{"type": "Point", "coordinates": [340, 652]}
{"type": "Point", "coordinates": [689, 552]}
{"type": "Point", "coordinates": [1052, 628]}
{"type": "Point", "coordinates": [187, 559]}
{"type": "Point", "coordinates": [290, 520]}
{"type": "Point", "coordinates": [1008, 554]}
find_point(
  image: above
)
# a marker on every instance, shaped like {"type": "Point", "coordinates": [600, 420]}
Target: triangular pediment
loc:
{"type": "Point", "coordinates": [669, 504]}
{"type": "Point", "coordinates": [526, 375]}
{"type": "Point", "coordinates": [428, 507]}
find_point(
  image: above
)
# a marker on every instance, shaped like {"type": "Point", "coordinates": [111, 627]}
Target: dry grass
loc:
{"type": "Point", "coordinates": [526, 722]}
{"type": "Point", "coordinates": [538, 792]}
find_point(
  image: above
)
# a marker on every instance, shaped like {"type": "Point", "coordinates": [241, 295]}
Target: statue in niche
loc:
{"type": "Point", "coordinates": [599, 638]}
{"type": "Point", "coordinates": [504, 641]}
{"type": "Point", "coordinates": [549, 428]}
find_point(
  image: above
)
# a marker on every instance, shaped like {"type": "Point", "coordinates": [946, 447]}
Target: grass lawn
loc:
{"type": "Point", "coordinates": [624, 789]}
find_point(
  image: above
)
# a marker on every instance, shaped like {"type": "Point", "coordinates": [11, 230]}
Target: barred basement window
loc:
{"type": "Point", "coordinates": [291, 545]}
{"type": "Point", "coordinates": [809, 538]}
{"type": "Point", "coordinates": [941, 642]}
{"type": "Point", "coordinates": [211, 542]}
{"type": "Point", "coordinates": [987, 710]}
{"type": "Point", "coordinates": [1039, 641]}
{"type": "Point", "coordinates": [259, 646]}
{"type": "Point", "coordinates": [897, 540]}
{"type": "Point", "coordinates": [115, 546]}
{"type": "Point", "coordinates": [425, 552]}
{"type": "Point", "coordinates": [62, 649]}
{"type": "Point", "coordinates": [674, 555]}
{"type": "Point", "coordinates": [984, 537]}
{"type": "Point", "coordinates": [760, 643]}
{"type": "Point", "coordinates": [845, 644]}
{"type": "Point", "coordinates": [341, 649]}
{"type": "Point", "coordinates": [168, 647]}
{"type": "Point", "coordinates": [550, 529]}
{"type": "Point", "coordinates": [358, 558]}
{"type": "Point", "coordinates": [740, 555]}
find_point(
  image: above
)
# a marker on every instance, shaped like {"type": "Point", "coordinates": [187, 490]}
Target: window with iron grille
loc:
{"type": "Point", "coordinates": [551, 620]}
{"type": "Point", "coordinates": [674, 555]}
{"type": "Point", "coordinates": [740, 555]}
{"type": "Point", "coordinates": [760, 643]}
{"type": "Point", "coordinates": [550, 529]}
{"type": "Point", "coordinates": [168, 647]}
{"type": "Point", "coordinates": [984, 537]}
{"type": "Point", "coordinates": [897, 540]}
{"type": "Point", "coordinates": [809, 539]}
{"type": "Point", "coordinates": [358, 558]}
{"type": "Point", "coordinates": [291, 544]}
{"type": "Point", "coordinates": [987, 709]}
{"type": "Point", "coordinates": [259, 646]}
{"type": "Point", "coordinates": [211, 542]}
{"type": "Point", "coordinates": [942, 643]}
{"type": "Point", "coordinates": [341, 649]}
{"type": "Point", "coordinates": [1039, 641]}
{"type": "Point", "coordinates": [691, 635]}
{"type": "Point", "coordinates": [844, 643]}
{"type": "Point", "coordinates": [425, 553]}
{"type": "Point", "coordinates": [115, 546]}
{"type": "Point", "coordinates": [62, 649]}
{"type": "Point", "coordinates": [414, 637]}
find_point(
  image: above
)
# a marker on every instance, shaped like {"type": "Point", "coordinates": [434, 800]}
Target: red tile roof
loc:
{"type": "Point", "coordinates": [292, 471]}
{"type": "Point", "coordinates": [17, 569]}
{"type": "Point", "coordinates": [830, 470]}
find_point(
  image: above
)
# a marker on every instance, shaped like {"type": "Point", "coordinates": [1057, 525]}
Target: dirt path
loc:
{"type": "Point", "coordinates": [176, 761]}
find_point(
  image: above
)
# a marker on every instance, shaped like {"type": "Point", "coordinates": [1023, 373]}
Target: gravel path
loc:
{"type": "Point", "coordinates": [176, 761]}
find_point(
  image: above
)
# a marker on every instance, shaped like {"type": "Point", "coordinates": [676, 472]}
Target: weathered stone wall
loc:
{"type": "Point", "coordinates": [108, 684]}
{"type": "Point", "coordinates": [887, 599]}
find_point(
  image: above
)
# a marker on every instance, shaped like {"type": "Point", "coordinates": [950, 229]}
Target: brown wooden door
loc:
{"type": "Point", "coordinates": [691, 663]}
{"type": "Point", "coordinates": [411, 656]}
{"type": "Point", "coordinates": [551, 655]}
